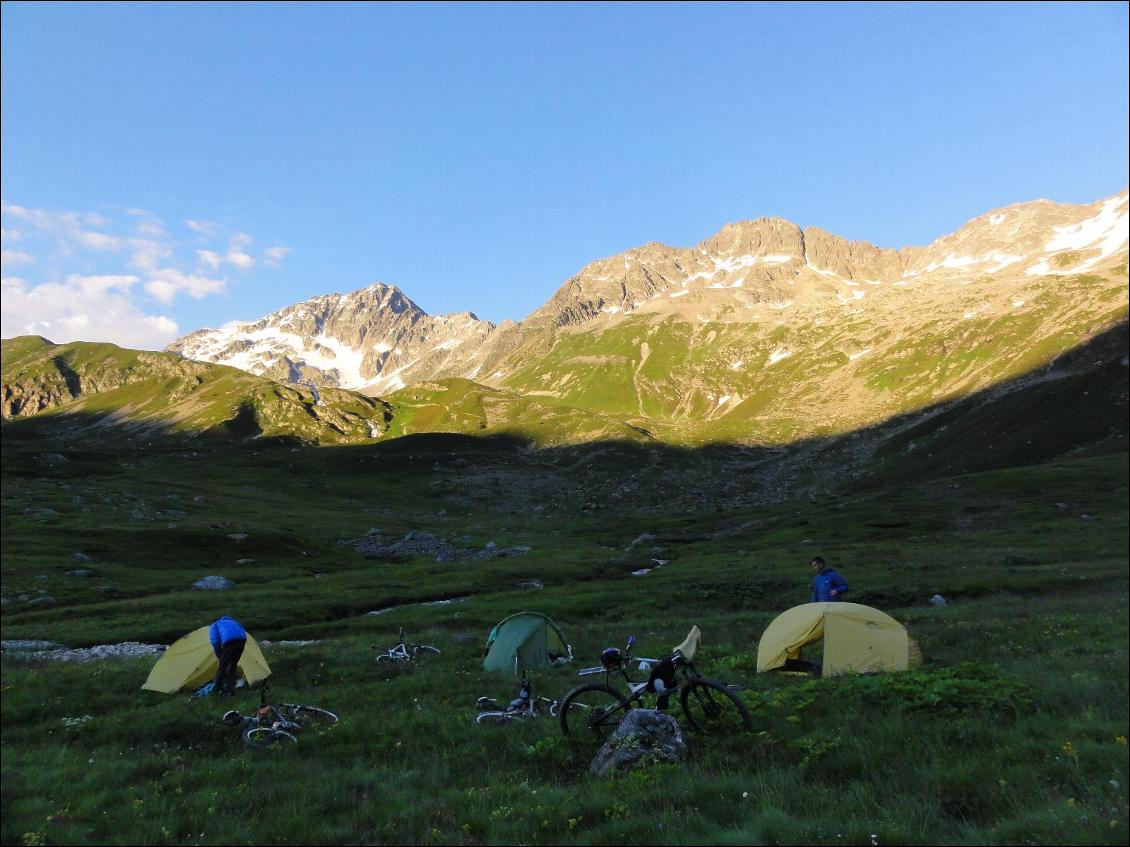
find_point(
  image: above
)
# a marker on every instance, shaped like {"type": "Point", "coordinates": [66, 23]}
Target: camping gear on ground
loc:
{"type": "Point", "coordinates": [857, 639]}
{"type": "Point", "coordinates": [525, 640]}
{"type": "Point", "coordinates": [190, 663]}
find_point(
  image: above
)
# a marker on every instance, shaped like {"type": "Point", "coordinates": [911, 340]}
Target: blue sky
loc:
{"type": "Point", "coordinates": [168, 166]}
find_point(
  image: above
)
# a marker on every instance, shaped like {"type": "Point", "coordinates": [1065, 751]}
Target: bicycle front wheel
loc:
{"type": "Point", "coordinates": [309, 715]}
{"type": "Point", "coordinates": [423, 650]}
{"type": "Point", "coordinates": [264, 737]}
{"type": "Point", "coordinates": [711, 707]}
{"type": "Point", "coordinates": [592, 710]}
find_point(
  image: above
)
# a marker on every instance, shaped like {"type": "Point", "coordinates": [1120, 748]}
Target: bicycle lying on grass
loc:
{"type": "Point", "coordinates": [524, 706]}
{"type": "Point", "coordinates": [710, 706]}
{"type": "Point", "coordinates": [271, 724]}
{"type": "Point", "coordinates": [404, 652]}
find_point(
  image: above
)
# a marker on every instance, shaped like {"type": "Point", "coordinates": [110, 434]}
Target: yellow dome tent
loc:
{"type": "Point", "coordinates": [190, 662]}
{"type": "Point", "coordinates": [857, 639]}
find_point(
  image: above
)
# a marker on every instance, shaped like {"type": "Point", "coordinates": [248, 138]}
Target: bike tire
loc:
{"type": "Point", "coordinates": [388, 660]}
{"type": "Point", "coordinates": [266, 737]}
{"type": "Point", "coordinates": [592, 710]}
{"type": "Point", "coordinates": [421, 650]}
{"type": "Point", "coordinates": [712, 708]}
{"type": "Point", "coordinates": [309, 715]}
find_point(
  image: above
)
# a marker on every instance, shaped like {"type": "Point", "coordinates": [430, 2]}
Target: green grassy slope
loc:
{"type": "Point", "coordinates": [1009, 733]}
{"type": "Point", "coordinates": [773, 381]}
{"type": "Point", "coordinates": [78, 385]}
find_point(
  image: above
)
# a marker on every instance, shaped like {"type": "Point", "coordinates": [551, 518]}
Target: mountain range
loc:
{"type": "Point", "coordinates": [763, 334]}
{"type": "Point", "coordinates": [763, 331]}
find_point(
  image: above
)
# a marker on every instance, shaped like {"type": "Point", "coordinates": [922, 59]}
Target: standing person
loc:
{"type": "Point", "coordinates": [228, 640]}
{"type": "Point", "coordinates": [827, 585]}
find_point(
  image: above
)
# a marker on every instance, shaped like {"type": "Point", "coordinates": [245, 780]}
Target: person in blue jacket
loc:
{"type": "Point", "coordinates": [228, 640]}
{"type": "Point", "coordinates": [827, 585]}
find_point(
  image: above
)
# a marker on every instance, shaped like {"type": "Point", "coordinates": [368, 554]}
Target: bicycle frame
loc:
{"type": "Point", "coordinates": [637, 690]}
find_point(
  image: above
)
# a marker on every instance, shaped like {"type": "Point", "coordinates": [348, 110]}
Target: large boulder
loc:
{"type": "Point", "coordinates": [644, 737]}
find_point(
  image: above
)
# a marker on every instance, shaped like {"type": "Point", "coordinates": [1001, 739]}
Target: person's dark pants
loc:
{"type": "Point", "coordinates": [230, 654]}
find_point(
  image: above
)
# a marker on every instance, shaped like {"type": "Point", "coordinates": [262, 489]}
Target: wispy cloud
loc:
{"type": "Point", "coordinates": [165, 284]}
{"type": "Point", "coordinates": [273, 256]}
{"type": "Point", "coordinates": [9, 258]}
{"type": "Point", "coordinates": [207, 229]}
{"type": "Point", "coordinates": [210, 259]}
{"type": "Point", "coordinates": [88, 275]}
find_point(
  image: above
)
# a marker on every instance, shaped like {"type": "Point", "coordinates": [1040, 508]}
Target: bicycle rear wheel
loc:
{"type": "Point", "coordinates": [266, 737]}
{"type": "Point", "coordinates": [711, 707]}
{"type": "Point", "coordinates": [494, 718]}
{"type": "Point", "coordinates": [592, 710]}
{"type": "Point", "coordinates": [421, 651]}
{"type": "Point", "coordinates": [309, 715]}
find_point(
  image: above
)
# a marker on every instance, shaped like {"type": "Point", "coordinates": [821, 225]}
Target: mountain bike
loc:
{"type": "Point", "coordinates": [272, 725]}
{"type": "Point", "coordinates": [710, 707]}
{"type": "Point", "coordinates": [524, 706]}
{"type": "Point", "coordinates": [404, 652]}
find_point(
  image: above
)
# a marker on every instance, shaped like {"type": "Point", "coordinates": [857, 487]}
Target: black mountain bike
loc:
{"type": "Point", "coordinates": [271, 725]}
{"type": "Point", "coordinates": [710, 707]}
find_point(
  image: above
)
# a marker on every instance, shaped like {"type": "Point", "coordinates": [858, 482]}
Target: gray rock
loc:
{"type": "Point", "coordinates": [641, 539]}
{"type": "Point", "coordinates": [81, 557]}
{"type": "Point", "coordinates": [531, 583]}
{"type": "Point", "coordinates": [52, 460]}
{"type": "Point", "coordinates": [42, 602]}
{"type": "Point", "coordinates": [937, 600]}
{"type": "Point", "coordinates": [80, 572]}
{"type": "Point", "coordinates": [213, 583]}
{"type": "Point", "coordinates": [238, 536]}
{"type": "Point", "coordinates": [245, 561]}
{"type": "Point", "coordinates": [198, 499]}
{"type": "Point", "coordinates": [644, 737]}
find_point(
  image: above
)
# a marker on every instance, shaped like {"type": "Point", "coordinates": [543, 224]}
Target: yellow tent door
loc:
{"type": "Point", "coordinates": [190, 662]}
{"type": "Point", "coordinates": [863, 644]}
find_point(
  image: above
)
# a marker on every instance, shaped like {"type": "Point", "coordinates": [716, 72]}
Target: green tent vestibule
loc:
{"type": "Point", "coordinates": [525, 640]}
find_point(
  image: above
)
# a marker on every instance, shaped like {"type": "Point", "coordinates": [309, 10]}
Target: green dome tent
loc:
{"type": "Point", "coordinates": [525, 640]}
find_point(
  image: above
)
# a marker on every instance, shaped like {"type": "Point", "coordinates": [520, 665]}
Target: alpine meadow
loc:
{"type": "Point", "coordinates": [779, 537]}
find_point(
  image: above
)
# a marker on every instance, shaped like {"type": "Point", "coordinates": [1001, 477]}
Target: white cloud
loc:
{"type": "Point", "coordinates": [97, 240]}
{"type": "Point", "coordinates": [148, 254]}
{"type": "Point", "coordinates": [237, 255]}
{"type": "Point", "coordinates": [273, 256]}
{"type": "Point", "coordinates": [165, 284]}
{"type": "Point", "coordinates": [82, 309]}
{"type": "Point", "coordinates": [92, 285]}
{"type": "Point", "coordinates": [207, 229]}
{"type": "Point", "coordinates": [10, 235]}
{"type": "Point", "coordinates": [15, 257]}
{"type": "Point", "coordinates": [212, 260]}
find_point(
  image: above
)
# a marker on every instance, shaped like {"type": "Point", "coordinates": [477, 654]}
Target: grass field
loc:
{"type": "Point", "coordinates": [1013, 730]}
